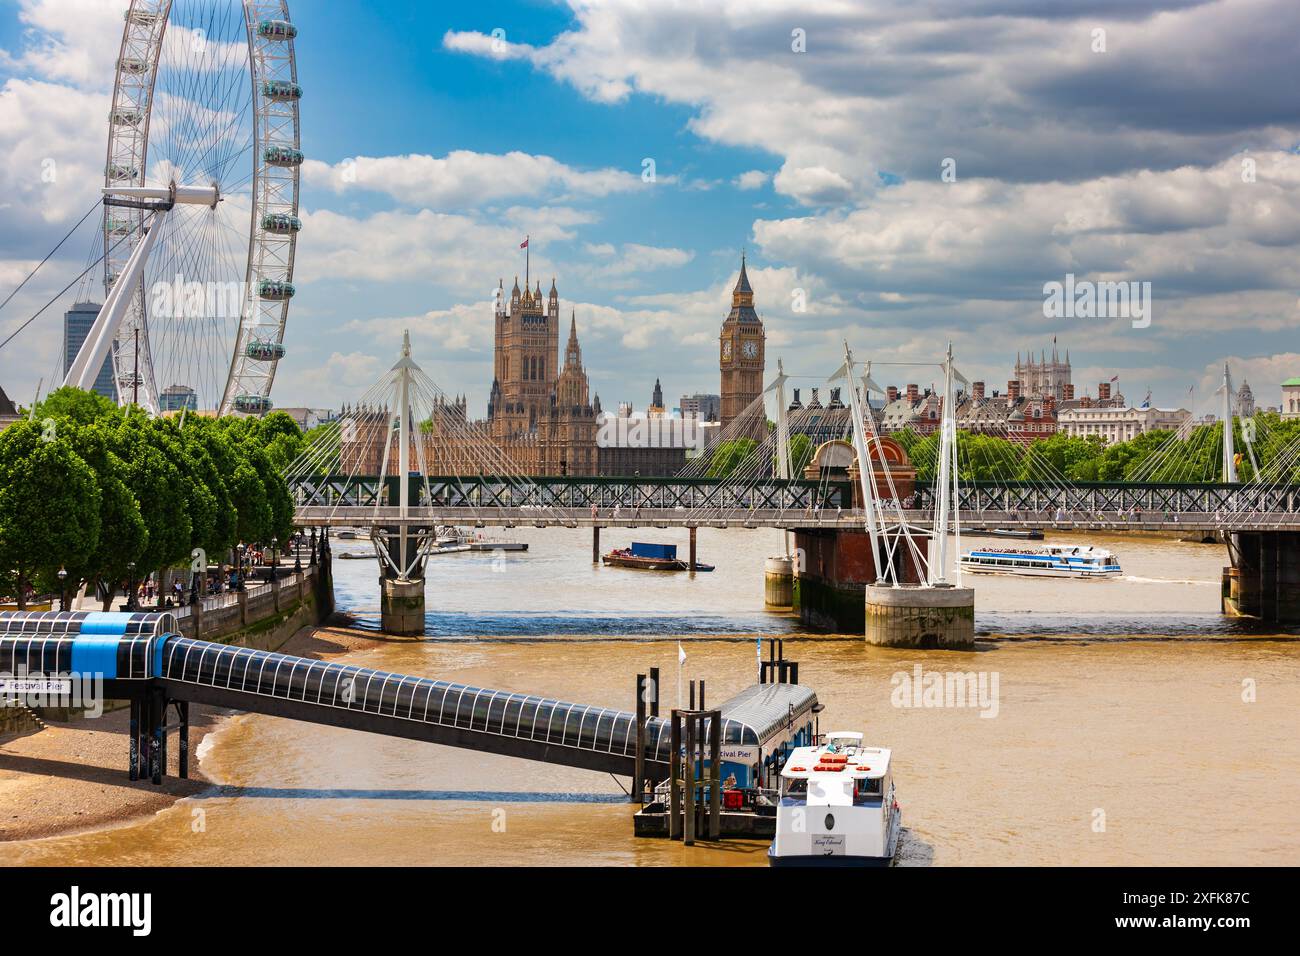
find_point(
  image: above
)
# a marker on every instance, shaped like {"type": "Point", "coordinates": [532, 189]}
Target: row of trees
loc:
{"type": "Point", "coordinates": [1156, 456]}
{"type": "Point", "coordinates": [726, 456]}
{"type": "Point", "coordinates": [109, 494]}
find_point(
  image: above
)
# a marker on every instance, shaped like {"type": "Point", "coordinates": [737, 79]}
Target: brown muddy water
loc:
{"type": "Point", "coordinates": [1132, 724]}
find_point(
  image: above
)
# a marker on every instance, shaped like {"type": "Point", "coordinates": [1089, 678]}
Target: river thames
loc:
{"type": "Point", "coordinates": [1133, 724]}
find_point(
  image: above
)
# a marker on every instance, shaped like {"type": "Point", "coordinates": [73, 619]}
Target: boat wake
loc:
{"type": "Point", "coordinates": [1135, 579]}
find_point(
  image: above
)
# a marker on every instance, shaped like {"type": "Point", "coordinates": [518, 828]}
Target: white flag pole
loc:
{"type": "Point", "coordinates": [681, 660]}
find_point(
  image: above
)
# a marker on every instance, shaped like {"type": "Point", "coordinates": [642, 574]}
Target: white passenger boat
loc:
{"type": "Point", "coordinates": [837, 806]}
{"type": "Point", "coordinates": [1052, 561]}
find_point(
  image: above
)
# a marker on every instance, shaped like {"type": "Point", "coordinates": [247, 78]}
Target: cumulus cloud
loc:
{"type": "Point", "coordinates": [466, 179]}
{"type": "Point", "coordinates": [1012, 90]}
{"type": "Point", "coordinates": [633, 258]}
{"type": "Point", "coordinates": [457, 252]}
{"type": "Point", "coordinates": [343, 373]}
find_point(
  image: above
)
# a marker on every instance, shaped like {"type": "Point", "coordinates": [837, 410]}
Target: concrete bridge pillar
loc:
{"type": "Point", "coordinates": [778, 582]}
{"type": "Point", "coordinates": [1263, 580]}
{"type": "Point", "coordinates": [833, 568]}
{"type": "Point", "coordinates": [401, 606]}
{"type": "Point", "coordinates": [921, 617]}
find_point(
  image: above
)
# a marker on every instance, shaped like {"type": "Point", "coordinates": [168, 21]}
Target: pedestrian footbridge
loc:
{"type": "Point", "coordinates": [141, 657]}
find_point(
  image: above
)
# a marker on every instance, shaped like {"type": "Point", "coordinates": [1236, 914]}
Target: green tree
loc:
{"type": "Point", "coordinates": [161, 490]}
{"type": "Point", "coordinates": [77, 405]}
{"type": "Point", "coordinates": [123, 535]}
{"type": "Point", "coordinates": [801, 453]}
{"type": "Point", "coordinates": [49, 506]}
{"type": "Point", "coordinates": [1060, 457]}
{"type": "Point", "coordinates": [728, 455]}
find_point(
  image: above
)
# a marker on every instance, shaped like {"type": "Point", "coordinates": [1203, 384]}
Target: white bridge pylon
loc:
{"type": "Point", "coordinates": [893, 536]}
{"type": "Point", "coordinates": [159, 200]}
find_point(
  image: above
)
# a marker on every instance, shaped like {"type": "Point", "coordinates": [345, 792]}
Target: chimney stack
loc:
{"type": "Point", "coordinates": [977, 391]}
{"type": "Point", "coordinates": [1068, 392]}
{"type": "Point", "coordinates": [891, 393]}
{"type": "Point", "coordinates": [1013, 391]}
{"type": "Point", "coordinates": [913, 394]}
{"type": "Point", "coordinates": [1103, 391]}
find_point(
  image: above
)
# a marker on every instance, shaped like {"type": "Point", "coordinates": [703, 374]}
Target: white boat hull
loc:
{"type": "Point", "coordinates": [893, 832]}
{"type": "Point", "coordinates": [1038, 572]}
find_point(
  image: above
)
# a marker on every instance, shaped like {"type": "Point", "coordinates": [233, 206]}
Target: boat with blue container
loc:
{"type": "Point", "coordinates": [646, 556]}
{"type": "Point", "coordinates": [1052, 561]}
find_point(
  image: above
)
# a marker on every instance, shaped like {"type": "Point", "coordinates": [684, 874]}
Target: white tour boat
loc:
{"type": "Point", "coordinates": [837, 806]}
{"type": "Point", "coordinates": [1052, 561]}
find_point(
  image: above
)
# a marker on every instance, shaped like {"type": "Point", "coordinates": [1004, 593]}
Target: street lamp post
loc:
{"type": "Point", "coordinates": [239, 566]}
{"type": "Point", "coordinates": [63, 592]}
{"type": "Point", "coordinates": [275, 555]}
{"type": "Point", "coordinates": [297, 551]}
{"type": "Point", "coordinates": [130, 594]}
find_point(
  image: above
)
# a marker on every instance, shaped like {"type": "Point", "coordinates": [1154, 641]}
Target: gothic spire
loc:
{"type": "Point", "coordinates": [742, 283]}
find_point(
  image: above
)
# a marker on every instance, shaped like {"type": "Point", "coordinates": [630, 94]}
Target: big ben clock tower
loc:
{"type": "Point", "coordinates": [741, 359]}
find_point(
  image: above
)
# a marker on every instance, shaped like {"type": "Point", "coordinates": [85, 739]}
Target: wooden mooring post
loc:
{"type": "Point", "coordinates": [776, 669]}
{"type": "Point", "coordinates": [695, 806]}
{"type": "Point", "coordinates": [647, 707]}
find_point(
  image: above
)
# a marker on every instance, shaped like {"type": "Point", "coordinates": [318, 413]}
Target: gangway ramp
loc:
{"type": "Point", "coordinates": [531, 726]}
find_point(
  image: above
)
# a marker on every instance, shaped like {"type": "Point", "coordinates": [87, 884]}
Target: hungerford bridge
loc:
{"type": "Point", "coordinates": [858, 516]}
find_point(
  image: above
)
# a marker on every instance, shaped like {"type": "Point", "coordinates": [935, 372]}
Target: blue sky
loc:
{"type": "Point", "coordinates": [1121, 164]}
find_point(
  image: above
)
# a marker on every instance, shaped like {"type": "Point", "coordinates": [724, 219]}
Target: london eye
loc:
{"type": "Point", "coordinates": [200, 216]}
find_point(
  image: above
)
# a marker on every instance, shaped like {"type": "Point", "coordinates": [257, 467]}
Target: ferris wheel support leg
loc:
{"type": "Point", "coordinates": [90, 357]}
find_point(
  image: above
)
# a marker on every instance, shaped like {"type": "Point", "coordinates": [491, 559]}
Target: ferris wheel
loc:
{"type": "Point", "coordinates": [200, 217]}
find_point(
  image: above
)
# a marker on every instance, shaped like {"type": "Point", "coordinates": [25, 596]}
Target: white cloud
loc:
{"type": "Point", "coordinates": [71, 41]}
{"type": "Point", "coordinates": [457, 252]}
{"type": "Point", "coordinates": [466, 179]}
{"type": "Point", "coordinates": [52, 137]}
{"type": "Point", "coordinates": [342, 374]}
{"type": "Point", "coordinates": [753, 179]}
{"type": "Point", "coordinates": [633, 258]}
{"type": "Point", "coordinates": [464, 327]}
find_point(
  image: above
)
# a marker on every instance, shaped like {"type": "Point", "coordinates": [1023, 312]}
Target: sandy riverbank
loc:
{"type": "Point", "coordinates": [72, 776]}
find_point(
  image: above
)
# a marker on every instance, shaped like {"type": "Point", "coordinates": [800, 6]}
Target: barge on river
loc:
{"type": "Point", "coordinates": [650, 557]}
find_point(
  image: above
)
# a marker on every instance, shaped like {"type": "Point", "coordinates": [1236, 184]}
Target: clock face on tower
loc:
{"type": "Point", "coordinates": [750, 350]}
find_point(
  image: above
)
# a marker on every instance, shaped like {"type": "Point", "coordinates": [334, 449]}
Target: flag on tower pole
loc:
{"type": "Point", "coordinates": [1114, 378]}
{"type": "Point", "coordinates": [524, 244]}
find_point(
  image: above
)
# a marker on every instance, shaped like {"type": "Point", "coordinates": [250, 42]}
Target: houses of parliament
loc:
{"type": "Point", "coordinates": [541, 413]}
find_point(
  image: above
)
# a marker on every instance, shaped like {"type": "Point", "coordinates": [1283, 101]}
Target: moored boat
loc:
{"type": "Point", "coordinates": [837, 806]}
{"type": "Point", "coordinates": [1024, 534]}
{"type": "Point", "coordinates": [650, 557]}
{"type": "Point", "coordinates": [1052, 561]}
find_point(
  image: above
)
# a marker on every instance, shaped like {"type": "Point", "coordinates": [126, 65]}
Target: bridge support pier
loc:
{"type": "Point", "coordinates": [833, 569]}
{"type": "Point", "coordinates": [1263, 580]}
{"type": "Point", "coordinates": [778, 582]}
{"type": "Point", "coordinates": [401, 606]}
{"type": "Point", "coordinates": [920, 617]}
